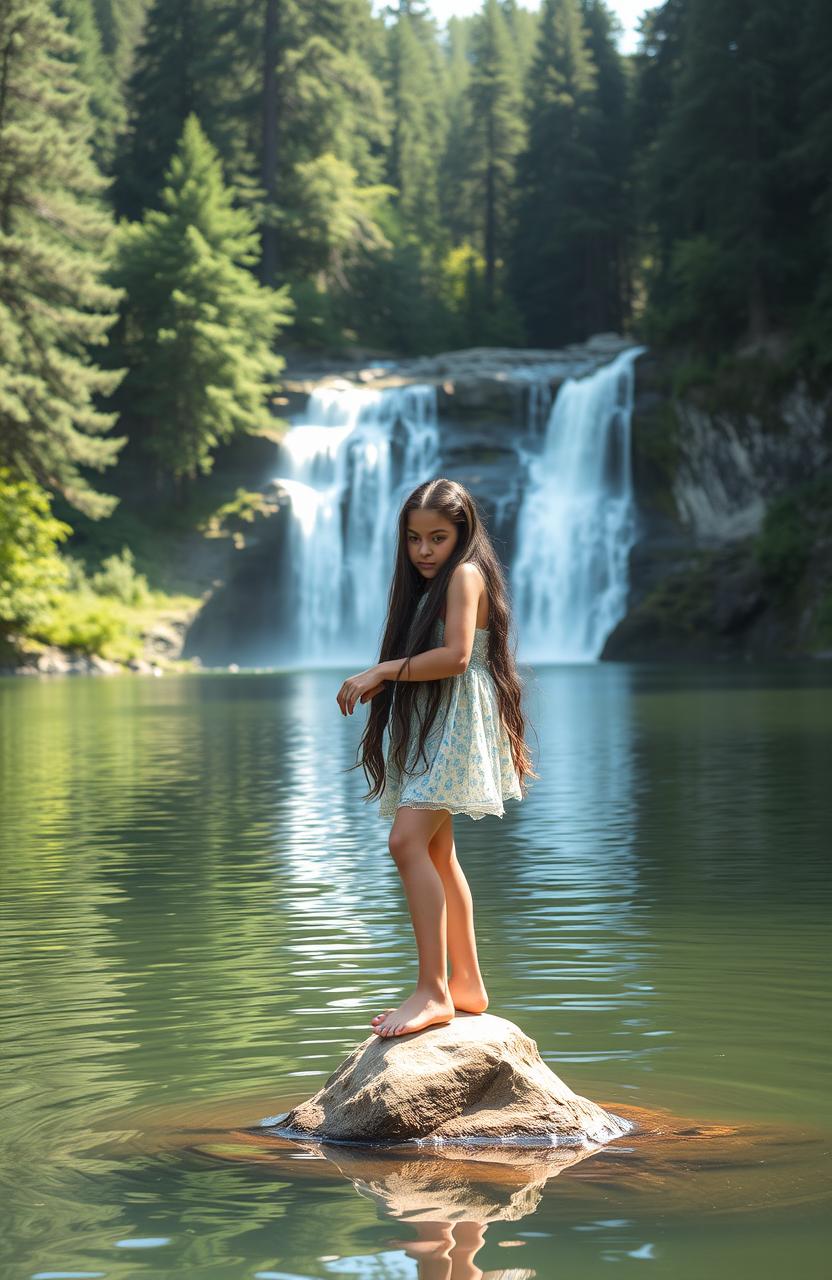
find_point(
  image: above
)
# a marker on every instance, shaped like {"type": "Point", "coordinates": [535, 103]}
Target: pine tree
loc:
{"type": "Point", "coordinates": [497, 133]}
{"type": "Point", "coordinates": [106, 102]}
{"type": "Point", "coordinates": [188, 62]}
{"type": "Point", "coordinates": [322, 107]}
{"type": "Point", "coordinates": [609, 287]}
{"type": "Point", "coordinates": [419, 129]}
{"type": "Point", "coordinates": [812, 157]}
{"type": "Point", "coordinates": [457, 158]}
{"type": "Point", "coordinates": [559, 178]}
{"type": "Point", "coordinates": [54, 235]}
{"type": "Point", "coordinates": [120, 23]}
{"type": "Point", "coordinates": [719, 164]}
{"type": "Point", "coordinates": [198, 328]}
{"type": "Point", "coordinates": [523, 26]}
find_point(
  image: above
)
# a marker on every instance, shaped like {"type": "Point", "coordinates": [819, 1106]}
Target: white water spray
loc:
{"type": "Point", "coordinates": [577, 523]}
{"type": "Point", "coordinates": [347, 466]}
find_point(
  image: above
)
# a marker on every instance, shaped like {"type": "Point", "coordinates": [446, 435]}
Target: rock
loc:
{"type": "Point", "coordinates": [478, 1076]}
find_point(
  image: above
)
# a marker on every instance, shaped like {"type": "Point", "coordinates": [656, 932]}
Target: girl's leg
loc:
{"type": "Point", "coordinates": [431, 1002]}
{"type": "Point", "coordinates": [466, 985]}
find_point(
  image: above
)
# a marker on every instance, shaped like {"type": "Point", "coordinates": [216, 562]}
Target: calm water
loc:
{"type": "Point", "coordinates": [200, 916]}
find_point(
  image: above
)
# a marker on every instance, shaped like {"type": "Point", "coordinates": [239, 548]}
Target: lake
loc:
{"type": "Point", "coordinates": [200, 917]}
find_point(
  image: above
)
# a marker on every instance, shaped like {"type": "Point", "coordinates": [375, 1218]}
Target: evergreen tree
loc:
{"type": "Point", "coordinates": [559, 179]}
{"type": "Point", "coordinates": [322, 102]}
{"type": "Point", "coordinates": [497, 133]}
{"type": "Point", "coordinates": [457, 158]}
{"type": "Point", "coordinates": [186, 64]}
{"type": "Point", "coordinates": [418, 138]}
{"type": "Point", "coordinates": [812, 157]}
{"type": "Point", "coordinates": [105, 100]}
{"type": "Point", "coordinates": [54, 234]}
{"type": "Point", "coordinates": [609, 286]}
{"type": "Point", "coordinates": [198, 328]}
{"type": "Point", "coordinates": [523, 26]}
{"type": "Point", "coordinates": [120, 23]}
{"type": "Point", "coordinates": [657, 65]}
{"type": "Point", "coordinates": [720, 166]}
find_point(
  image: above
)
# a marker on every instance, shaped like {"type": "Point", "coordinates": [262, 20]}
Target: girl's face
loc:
{"type": "Point", "coordinates": [430, 540]}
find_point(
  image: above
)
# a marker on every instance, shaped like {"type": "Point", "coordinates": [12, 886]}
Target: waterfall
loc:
{"type": "Point", "coordinates": [350, 460]}
{"type": "Point", "coordinates": [347, 465]}
{"type": "Point", "coordinates": [577, 521]}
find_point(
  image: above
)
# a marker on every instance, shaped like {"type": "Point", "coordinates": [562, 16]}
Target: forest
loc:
{"type": "Point", "coordinates": [192, 190]}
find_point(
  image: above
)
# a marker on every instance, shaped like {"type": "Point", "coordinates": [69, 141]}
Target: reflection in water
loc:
{"type": "Point", "coordinates": [196, 905]}
{"type": "Point", "coordinates": [452, 1184]}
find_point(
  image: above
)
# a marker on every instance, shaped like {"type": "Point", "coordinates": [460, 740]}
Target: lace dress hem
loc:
{"type": "Point", "coordinates": [449, 808]}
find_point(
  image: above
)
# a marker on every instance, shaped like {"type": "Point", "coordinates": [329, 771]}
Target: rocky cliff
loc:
{"type": "Point", "coordinates": [733, 483]}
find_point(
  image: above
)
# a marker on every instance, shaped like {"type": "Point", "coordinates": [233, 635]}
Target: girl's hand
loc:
{"type": "Point", "coordinates": [371, 693]}
{"type": "Point", "coordinates": [358, 689]}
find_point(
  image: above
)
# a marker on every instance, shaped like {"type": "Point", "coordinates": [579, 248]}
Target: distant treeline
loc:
{"type": "Point", "coordinates": [516, 180]}
{"type": "Point", "coordinates": [188, 185]}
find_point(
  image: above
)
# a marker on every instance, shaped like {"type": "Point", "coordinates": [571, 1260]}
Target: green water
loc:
{"type": "Point", "coordinates": [200, 917]}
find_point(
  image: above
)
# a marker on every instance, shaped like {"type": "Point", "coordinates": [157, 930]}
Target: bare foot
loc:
{"type": "Point", "coordinates": [468, 995]}
{"type": "Point", "coordinates": [414, 1014]}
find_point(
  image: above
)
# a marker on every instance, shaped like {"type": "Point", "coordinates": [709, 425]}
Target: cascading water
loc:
{"type": "Point", "coordinates": [347, 465]}
{"type": "Point", "coordinates": [356, 453]}
{"type": "Point", "coordinates": [577, 522]}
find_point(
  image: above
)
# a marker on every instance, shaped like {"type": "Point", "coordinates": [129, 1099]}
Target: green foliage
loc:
{"type": "Point", "coordinates": [89, 624]}
{"type": "Point", "coordinates": [477, 319]}
{"type": "Point", "coordinates": [191, 60]}
{"type": "Point", "coordinates": [704, 304]}
{"type": "Point", "coordinates": [497, 134]}
{"type": "Point", "coordinates": [792, 526]}
{"type": "Point", "coordinates": [53, 242]}
{"type": "Point", "coordinates": [822, 623]}
{"type": "Point", "coordinates": [333, 221]}
{"type": "Point", "coordinates": [563, 187]}
{"type": "Point", "coordinates": [318, 322]}
{"type": "Point", "coordinates": [31, 570]}
{"type": "Point", "coordinates": [234, 518]}
{"type": "Point", "coordinates": [566, 256]}
{"type": "Point", "coordinates": [118, 578]}
{"type": "Point", "coordinates": [728, 199]}
{"type": "Point", "coordinates": [783, 545]}
{"type": "Point", "coordinates": [658, 442]}
{"type": "Point", "coordinates": [198, 329]}
{"type": "Point", "coordinates": [414, 81]}
{"type": "Point", "coordinates": [106, 101]}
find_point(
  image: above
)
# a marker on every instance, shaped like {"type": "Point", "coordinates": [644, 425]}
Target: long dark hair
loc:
{"type": "Point", "coordinates": [408, 632]}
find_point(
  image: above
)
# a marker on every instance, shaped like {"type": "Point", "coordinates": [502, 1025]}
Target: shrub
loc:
{"type": "Point", "coordinates": [117, 577]}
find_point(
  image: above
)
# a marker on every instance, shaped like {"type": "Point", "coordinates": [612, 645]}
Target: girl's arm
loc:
{"type": "Point", "coordinates": [450, 659]}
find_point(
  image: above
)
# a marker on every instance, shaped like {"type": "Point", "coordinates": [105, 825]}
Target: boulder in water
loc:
{"type": "Point", "coordinates": [476, 1077]}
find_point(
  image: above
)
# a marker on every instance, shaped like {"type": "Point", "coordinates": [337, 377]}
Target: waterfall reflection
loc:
{"type": "Point", "coordinates": [575, 924]}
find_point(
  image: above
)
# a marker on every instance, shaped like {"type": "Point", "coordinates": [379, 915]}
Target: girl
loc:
{"type": "Point", "coordinates": [447, 687]}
